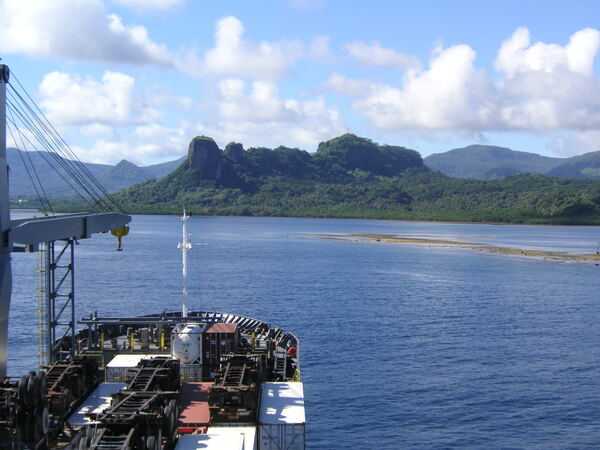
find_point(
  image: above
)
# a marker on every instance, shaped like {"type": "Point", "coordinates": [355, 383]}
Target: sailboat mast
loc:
{"type": "Point", "coordinates": [5, 244]}
{"type": "Point", "coordinates": [185, 245]}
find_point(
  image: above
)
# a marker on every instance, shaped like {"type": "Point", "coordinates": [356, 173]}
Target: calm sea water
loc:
{"type": "Point", "coordinates": [402, 347]}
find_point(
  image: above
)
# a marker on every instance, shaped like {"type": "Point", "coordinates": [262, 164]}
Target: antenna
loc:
{"type": "Point", "coordinates": [185, 245]}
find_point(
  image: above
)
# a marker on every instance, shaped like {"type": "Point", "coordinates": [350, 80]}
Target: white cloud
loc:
{"type": "Point", "coordinates": [320, 47]}
{"type": "Point", "coordinates": [235, 56]}
{"type": "Point", "coordinates": [147, 144]}
{"type": "Point", "coordinates": [517, 54]}
{"type": "Point", "coordinates": [73, 100]}
{"type": "Point", "coordinates": [255, 114]}
{"type": "Point", "coordinates": [540, 87]}
{"type": "Point", "coordinates": [232, 55]}
{"type": "Point", "coordinates": [115, 116]}
{"type": "Point", "coordinates": [157, 5]}
{"type": "Point", "coordinates": [446, 95]}
{"type": "Point", "coordinates": [96, 130]}
{"type": "Point", "coordinates": [75, 29]}
{"type": "Point", "coordinates": [373, 54]}
{"type": "Point", "coordinates": [570, 143]}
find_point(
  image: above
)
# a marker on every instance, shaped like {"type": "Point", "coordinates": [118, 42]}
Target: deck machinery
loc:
{"type": "Point", "coordinates": [139, 383]}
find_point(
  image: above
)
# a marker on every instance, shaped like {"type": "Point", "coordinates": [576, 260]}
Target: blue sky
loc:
{"type": "Point", "coordinates": [137, 79]}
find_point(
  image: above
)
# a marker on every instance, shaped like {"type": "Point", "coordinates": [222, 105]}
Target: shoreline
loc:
{"type": "Point", "coordinates": [540, 222]}
{"type": "Point", "coordinates": [545, 255]}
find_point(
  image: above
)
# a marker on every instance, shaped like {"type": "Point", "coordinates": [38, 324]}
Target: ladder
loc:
{"type": "Point", "coordinates": [107, 441]}
{"type": "Point", "coordinates": [234, 374]}
{"type": "Point", "coordinates": [280, 367]}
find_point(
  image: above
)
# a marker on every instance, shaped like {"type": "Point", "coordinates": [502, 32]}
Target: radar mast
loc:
{"type": "Point", "coordinates": [185, 246]}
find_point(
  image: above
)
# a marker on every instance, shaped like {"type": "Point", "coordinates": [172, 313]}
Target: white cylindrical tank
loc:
{"type": "Point", "coordinates": [186, 343]}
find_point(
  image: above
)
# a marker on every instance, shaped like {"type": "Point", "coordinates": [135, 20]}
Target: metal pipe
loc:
{"type": "Point", "coordinates": [72, 299]}
{"type": "Point", "coordinates": [50, 302]}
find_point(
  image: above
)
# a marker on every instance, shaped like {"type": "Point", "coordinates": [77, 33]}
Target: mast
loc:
{"type": "Point", "coordinates": [185, 245]}
{"type": "Point", "coordinates": [5, 244]}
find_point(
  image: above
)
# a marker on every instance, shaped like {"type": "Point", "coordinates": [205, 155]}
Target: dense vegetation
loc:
{"type": "Point", "coordinates": [582, 166]}
{"type": "Point", "coordinates": [354, 177]}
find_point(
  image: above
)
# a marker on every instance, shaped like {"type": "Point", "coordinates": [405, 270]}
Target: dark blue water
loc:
{"type": "Point", "coordinates": [402, 347]}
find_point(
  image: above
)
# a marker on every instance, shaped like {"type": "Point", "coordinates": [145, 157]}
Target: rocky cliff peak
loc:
{"type": "Point", "coordinates": [235, 152]}
{"type": "Point", "coordinates": [205, 157]}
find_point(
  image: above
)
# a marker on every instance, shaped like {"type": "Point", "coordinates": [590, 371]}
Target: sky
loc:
{"type": "Point", "coordinates": [137, 79]}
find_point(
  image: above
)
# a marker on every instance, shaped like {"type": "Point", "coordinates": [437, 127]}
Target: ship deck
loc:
{"type": "Point", "coordinates": [124, 389]}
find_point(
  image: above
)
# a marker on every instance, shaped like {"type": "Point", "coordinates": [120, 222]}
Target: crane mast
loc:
{"type": "Point", "coordinates": [5, 237]}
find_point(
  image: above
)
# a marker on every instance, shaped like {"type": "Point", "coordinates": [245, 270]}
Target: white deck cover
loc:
{"type": "Point", "coordinates": [96, 402]}
{"type": "Point", "coordinates": [282, 403]}
{"type": "Point", "coordinates": [220, 438]}
{"type": "Point", "coordinates": [126, 361]}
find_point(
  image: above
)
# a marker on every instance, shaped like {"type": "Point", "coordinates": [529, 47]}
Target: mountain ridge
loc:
{"type": "Point", "coordinates": [112, 177]}
{"type": "Point", "coordinates": [487, 162]}
{"type": "Point", "coordinates": [350, 176]}
{"type": "Point", "coordinates": [484, 162]}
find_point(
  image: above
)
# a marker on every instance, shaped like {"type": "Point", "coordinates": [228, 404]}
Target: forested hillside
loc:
{"type": "Point", "coordinates": [351, 176]}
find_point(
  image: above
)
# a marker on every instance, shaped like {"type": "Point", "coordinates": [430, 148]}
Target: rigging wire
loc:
{"type": "Point", "coordinates": [44, 203]}
{"type": "Point", "coordinates": [87, 195]}
{"type": "Point", "coordinates": [55, 151]}
{"type": "Point", "coordinates": [52, 145]}
{"type": "Point", "coordinates": [59, 156]}
{"type": "Point", "coordinates": [50, 163]}
{"type": "Point", "coordinates": [35, 180]}
{"type": "Point", "coordinates": [60, 138]}
{"type": "Point", "coordinates": [39, 115]}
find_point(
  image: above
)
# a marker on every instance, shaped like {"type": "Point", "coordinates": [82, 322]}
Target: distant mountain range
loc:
{"type": "Point", "coordinates": [113, 178]}
{"type": "Point", "coordinates": [479, 162]}
{"type": "Point", "coordinates": [487, 162]}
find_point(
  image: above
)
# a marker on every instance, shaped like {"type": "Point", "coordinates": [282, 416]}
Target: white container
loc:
{"type": "Point", "coordinates": [281, 417]}
{"type": "Point", "coordinates": [116, 369]}
{"type": "Point", "coordinates": [187, 343]}
{"type": "Point", "coordinates": [220, 438]}
{"type": "Point", "coordinates": [95, 403]}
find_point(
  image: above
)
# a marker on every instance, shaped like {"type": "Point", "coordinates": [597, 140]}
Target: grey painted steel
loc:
{"type": "Point", "coordinates": [5, 244]}
{"type": "Point", "coordinates": [60, 297]}
{"type": "Point", "coordinates": [69, 226]}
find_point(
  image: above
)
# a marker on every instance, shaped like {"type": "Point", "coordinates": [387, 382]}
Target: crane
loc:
{"type": "Point", "coordinates": [29, 234]}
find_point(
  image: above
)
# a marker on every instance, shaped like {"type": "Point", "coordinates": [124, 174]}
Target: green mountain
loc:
{"type": "Point", "coordinates": [114, 178]}
{"type": "Point", "coordinates": [582, 166]}
{"type": "Point", "coordinates": [487, 162]}
{"type": "Point", "coordinates": [351, 176]}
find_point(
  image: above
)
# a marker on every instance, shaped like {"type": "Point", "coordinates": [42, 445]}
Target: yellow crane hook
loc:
{"type": "Point", "coordinates": [120, 233]}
